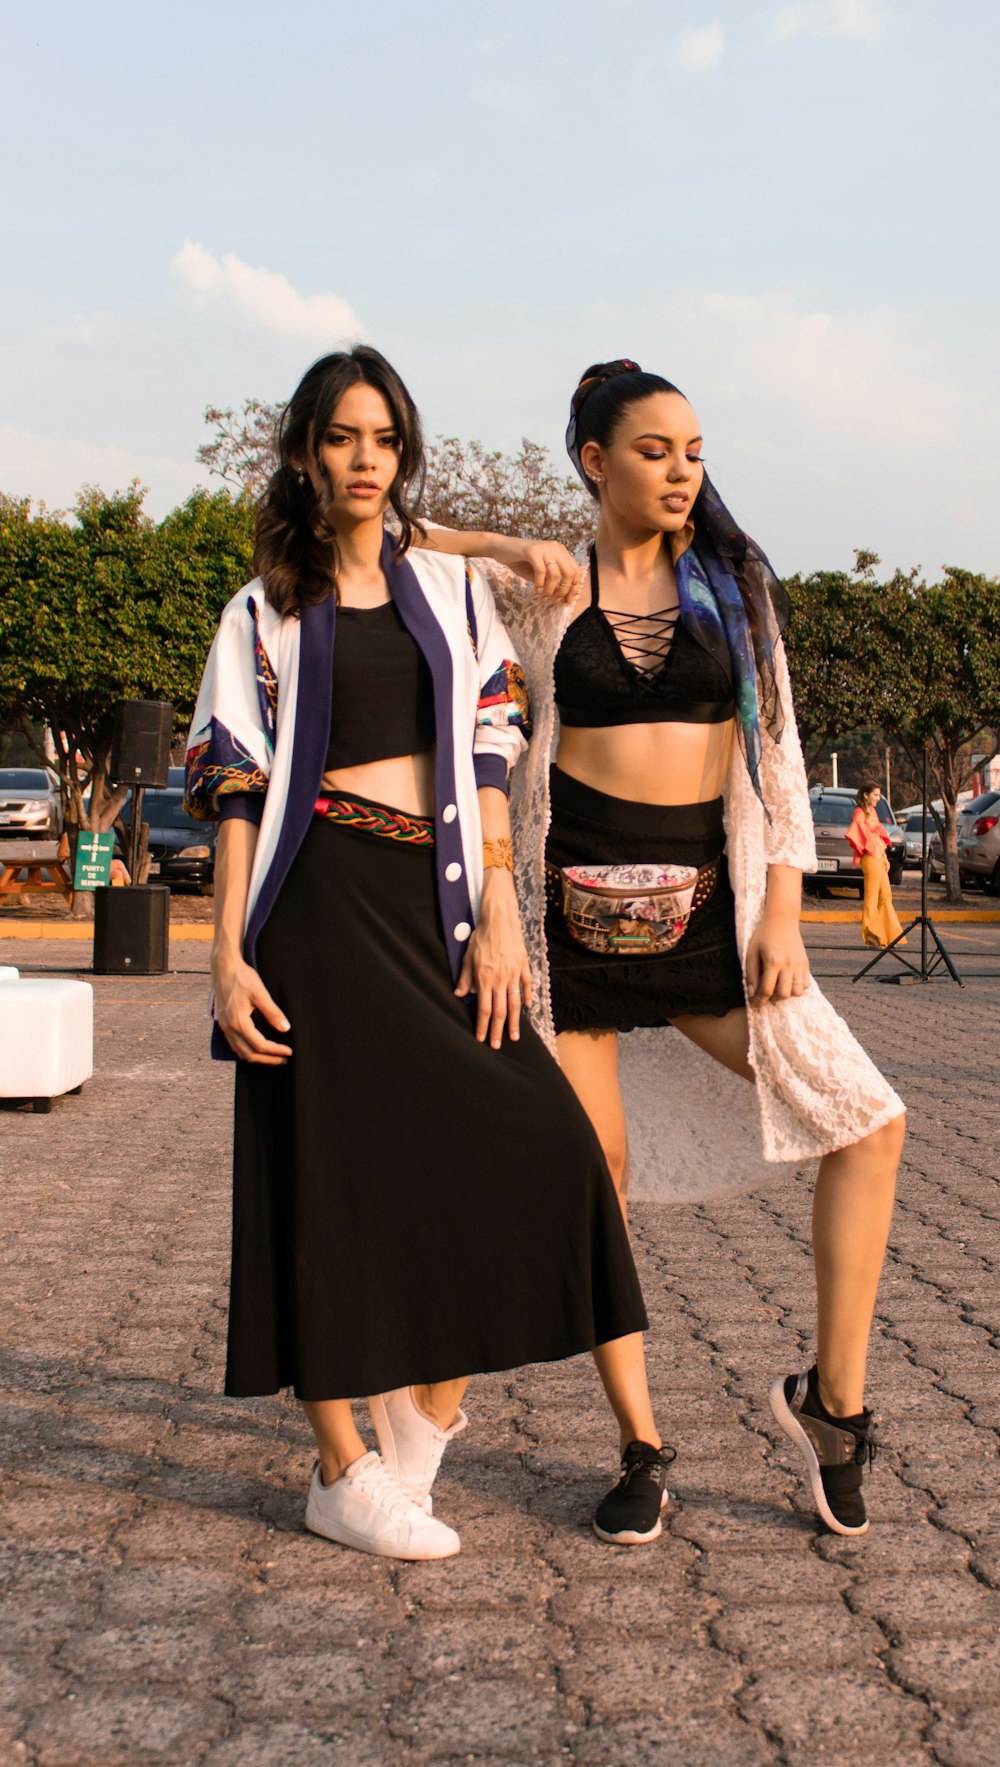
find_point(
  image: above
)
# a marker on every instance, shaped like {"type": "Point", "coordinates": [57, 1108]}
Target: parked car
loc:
{"type": "Point", "coordinates": [913, 836]}
{"type": "Point", "coordinates": [832, 809]}
{"type": "Point", "coordinates": [181, 850]}
{"type": "Point", "coordinates": [29, 803]}
{"type": "Point", "coordinates": [979, 842]}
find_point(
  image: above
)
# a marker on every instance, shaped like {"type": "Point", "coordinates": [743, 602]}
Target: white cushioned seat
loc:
{"type": "Point", "coordinates": [46, 1036]}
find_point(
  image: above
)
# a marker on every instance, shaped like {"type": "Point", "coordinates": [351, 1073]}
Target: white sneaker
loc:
{"type": "Point", "coordinates": [366, 1509]}
{"type": "Point", "coordinates": [411, 1444]}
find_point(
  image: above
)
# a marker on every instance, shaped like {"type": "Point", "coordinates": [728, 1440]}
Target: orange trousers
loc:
{"type": "Point", "coordinates": [880, 923]}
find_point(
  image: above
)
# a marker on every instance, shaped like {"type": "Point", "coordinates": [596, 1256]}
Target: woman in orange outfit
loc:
{"type": "Point", "coordinates": [868, 836]}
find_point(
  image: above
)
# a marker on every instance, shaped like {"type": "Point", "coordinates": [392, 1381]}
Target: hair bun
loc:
{"type": "Point", "coordinates": [598, 373]}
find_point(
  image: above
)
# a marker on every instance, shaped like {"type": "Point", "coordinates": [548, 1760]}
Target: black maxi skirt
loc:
{"type": "Point", "coordinates": [596, 991]}
{"type": "Point", "coordinates": [409, 1205]}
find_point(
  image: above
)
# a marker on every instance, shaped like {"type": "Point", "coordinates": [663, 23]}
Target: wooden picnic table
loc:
{"type": "Point", "coordinates": [35, 865]}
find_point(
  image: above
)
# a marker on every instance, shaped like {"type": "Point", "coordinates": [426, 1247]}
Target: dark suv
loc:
{"type": "Point", "coordinates": [832, 809]}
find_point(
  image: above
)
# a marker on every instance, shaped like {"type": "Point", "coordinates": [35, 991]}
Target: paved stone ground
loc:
{"type": "Point", "coordinates": [162, 1604]}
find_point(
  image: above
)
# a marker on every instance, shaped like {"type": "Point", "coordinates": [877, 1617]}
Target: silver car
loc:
{"type": "Point", "coordinates": [29, 803]}
{"type": "Point", "coordinates": [979, 842]}
{"type": "Point", "coordinates": [913, 836]}
{"type": "Point", "coordinates": [832, 809]}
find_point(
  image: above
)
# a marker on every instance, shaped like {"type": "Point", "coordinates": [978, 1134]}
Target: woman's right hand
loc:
{"type": "Point", "coordinates": [239, 992]}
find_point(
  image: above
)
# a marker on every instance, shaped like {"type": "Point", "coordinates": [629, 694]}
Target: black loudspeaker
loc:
{"type": "Point", "coordinates": [140, 745]}
{"type": "Point", "coordinates": [131, 930]}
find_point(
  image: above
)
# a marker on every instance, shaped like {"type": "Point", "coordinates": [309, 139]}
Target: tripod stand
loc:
{"type": "Point", "coordinates": [929, 962]}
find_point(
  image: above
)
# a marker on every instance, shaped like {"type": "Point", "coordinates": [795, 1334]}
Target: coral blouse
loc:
{"type": "Point", "coordinates": [863, 837]}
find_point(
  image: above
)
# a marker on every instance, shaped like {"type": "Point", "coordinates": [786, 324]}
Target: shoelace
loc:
{"type": "Point", "coordinates": [387, 1496]}
{"type": "Point", "coordinates": [665, 1457]}
{"type": "Point", "coordinates": [867, 1448]}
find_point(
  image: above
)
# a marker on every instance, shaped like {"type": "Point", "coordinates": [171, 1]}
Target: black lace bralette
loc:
{"type": "Point", "coordinates": [620, 668]}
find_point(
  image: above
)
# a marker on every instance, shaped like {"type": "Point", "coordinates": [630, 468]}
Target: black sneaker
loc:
{"type": "Point", "coordinates": [835, 1449]}
{"type": "Point", "coordinates": [630, 1514]}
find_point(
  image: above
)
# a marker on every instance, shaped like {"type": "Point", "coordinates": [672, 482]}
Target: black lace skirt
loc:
{"type": "Point", "coordinates": [595, 992]}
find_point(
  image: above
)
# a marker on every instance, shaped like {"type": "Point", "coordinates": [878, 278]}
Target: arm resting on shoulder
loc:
{"type": "Point", "coordinates": [548, 565]}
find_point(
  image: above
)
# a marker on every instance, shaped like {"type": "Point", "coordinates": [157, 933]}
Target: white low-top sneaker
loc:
{"type": "Point", "coordinates": [366, 1509]}
{"type": "Point", "coordinates": [411, 1444]}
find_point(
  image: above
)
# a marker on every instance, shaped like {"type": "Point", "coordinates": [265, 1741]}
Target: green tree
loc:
{"type": "Point", "coordinates": [948, 637]}
{"type": "Point", "coordinates": [104, 607]}
{"type": "Point", "coordinates": [841, 657]}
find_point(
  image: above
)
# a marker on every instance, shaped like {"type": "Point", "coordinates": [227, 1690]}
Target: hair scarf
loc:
{"type": "Point", "coordinates": [714, 607]}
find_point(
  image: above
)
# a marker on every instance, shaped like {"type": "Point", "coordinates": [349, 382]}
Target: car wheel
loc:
{"type": "Point", "coordinates": [991, 884]}
{"type": "Point", "coordinates": [896, 875]}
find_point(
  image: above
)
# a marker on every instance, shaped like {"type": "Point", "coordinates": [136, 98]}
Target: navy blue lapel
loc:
{"type": "Point", "coordinates": [309, 746]}
{"type": "Point", "coordinates": [420, 621]}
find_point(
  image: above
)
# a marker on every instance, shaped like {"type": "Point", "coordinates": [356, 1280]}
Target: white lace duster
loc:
{"type": "Point", "coordinates": [695, 1130]}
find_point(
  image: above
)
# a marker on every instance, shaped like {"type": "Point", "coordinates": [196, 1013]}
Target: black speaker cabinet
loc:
{"type": "Point", "coordinates": [131, 930]}
{"type": "Point", "coordinates": [140, 744]}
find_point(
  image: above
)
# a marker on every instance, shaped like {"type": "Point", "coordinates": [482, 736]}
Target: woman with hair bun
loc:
{"type": "Point", "coordinates": [659, 868]}
{"type": "Point", "coordinates": [418, 1195]}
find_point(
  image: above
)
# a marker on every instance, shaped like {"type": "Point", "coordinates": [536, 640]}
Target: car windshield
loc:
{"type": "Point", "coordinates": [915, 824]}
{"type": "Point", "coordinates": [835, 812]}
{"type": "Point", "coordinates": [29, 779]}
{"type": "Point", "coordinates": [168, 812]}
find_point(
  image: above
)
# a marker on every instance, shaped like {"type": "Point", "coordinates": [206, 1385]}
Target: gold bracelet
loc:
{"type": "Point", "coordinates": [499, 853]}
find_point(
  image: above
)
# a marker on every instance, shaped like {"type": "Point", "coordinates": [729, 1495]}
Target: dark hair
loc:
{"type": "Point", "coordinates": [605, 392]}
{"type": "Point", "coordinates": [864, 791]}
{"type": "Point", "coordinates": [295, 545]}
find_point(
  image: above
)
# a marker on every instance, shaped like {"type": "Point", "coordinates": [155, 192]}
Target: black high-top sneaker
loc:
{"type": "Point", "coordinates": [630, 1514]}
{"type": "Point", "coordinates": [835, 1449]}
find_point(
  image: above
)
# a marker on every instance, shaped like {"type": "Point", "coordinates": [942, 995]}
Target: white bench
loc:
{"type": "Point", "coordinates": [46, 1037]}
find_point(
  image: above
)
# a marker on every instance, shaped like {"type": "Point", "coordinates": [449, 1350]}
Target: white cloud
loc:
{"type": "Point", "coordinates": [699, 51]}
{"type": "Point", "coordinates": [859, 20]}
{"type": "Point", "coordinates": [864, 376]}
{"type": "Point", "coordinates": [82, 331]}
{"type": "Point", "coordinates": [262, 297]}
{"type": "Point", "coordinates": [53, 470]}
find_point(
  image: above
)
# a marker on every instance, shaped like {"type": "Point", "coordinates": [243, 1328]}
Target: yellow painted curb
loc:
{"type": "Point", "coordinates": [84, 929]}
{"type": "Point", "coordinates": [971, 916]}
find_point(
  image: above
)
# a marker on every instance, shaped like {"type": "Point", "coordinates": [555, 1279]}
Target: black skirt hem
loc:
{"type": "Point", "coordinates": [405, 1375]}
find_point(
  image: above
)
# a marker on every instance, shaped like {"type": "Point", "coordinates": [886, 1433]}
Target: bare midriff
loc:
{"type": "Point", "coordinates": [650, 763]}
{"type": "Point", "coordinates": [405, 782]}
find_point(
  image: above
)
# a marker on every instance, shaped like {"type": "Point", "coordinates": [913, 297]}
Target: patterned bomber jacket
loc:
{"type": "Point", "coordinates": [261, 726]}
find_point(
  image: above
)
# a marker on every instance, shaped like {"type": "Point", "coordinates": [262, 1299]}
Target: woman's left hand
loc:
{"type": "Point", "coordinates": [547, 564]}
{"type": "Point", "coordinates": [777, 964]}
{"type": "Point", "coordinates": [496, 962]}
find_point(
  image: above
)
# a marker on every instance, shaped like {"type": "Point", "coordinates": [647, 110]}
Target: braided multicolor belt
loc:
{"type": "Point", "coordinates": [394, 825]}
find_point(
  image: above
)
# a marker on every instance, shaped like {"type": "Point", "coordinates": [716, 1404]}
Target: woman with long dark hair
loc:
{"type": "Point", "coordinates": [660, 864]}
{"type": "Point", "coordinates": [418, 1195]}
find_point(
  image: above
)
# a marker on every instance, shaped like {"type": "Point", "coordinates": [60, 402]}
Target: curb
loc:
{"type": "Point", "coordinates": [84, 929]}
{"type": "Point", "coordinates": [847, 916]}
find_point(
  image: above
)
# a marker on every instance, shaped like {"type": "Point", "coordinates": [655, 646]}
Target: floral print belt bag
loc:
{"type": "Point", "coordinates": [630, 910]}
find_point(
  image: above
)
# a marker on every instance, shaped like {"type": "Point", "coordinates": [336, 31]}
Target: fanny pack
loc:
{"type": "Point", "coordinates": [630, 910]}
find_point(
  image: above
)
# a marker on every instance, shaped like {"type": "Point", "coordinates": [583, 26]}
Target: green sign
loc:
{"type": "Point", "coordinates": [94, 853]}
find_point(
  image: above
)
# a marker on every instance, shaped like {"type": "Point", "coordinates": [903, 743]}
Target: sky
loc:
{"type": "Point", "coordinates": [783, 208]}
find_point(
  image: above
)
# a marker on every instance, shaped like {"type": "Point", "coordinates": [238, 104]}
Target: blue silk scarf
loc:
{"type": "Point", "coordinates": [713, 611]}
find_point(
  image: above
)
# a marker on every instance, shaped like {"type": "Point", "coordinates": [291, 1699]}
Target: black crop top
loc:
{"type": "Point", "coordinates": [383, 693]}
{"type": "Point", "coordinates": [618, 668]}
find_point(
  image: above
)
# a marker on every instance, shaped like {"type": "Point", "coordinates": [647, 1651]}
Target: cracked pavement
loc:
{"type": "Point", "coordinates": [163, 1605]}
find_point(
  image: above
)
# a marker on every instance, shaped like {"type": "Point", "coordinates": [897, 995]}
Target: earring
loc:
{"type": "Point", "coordinates": [302, 478]}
